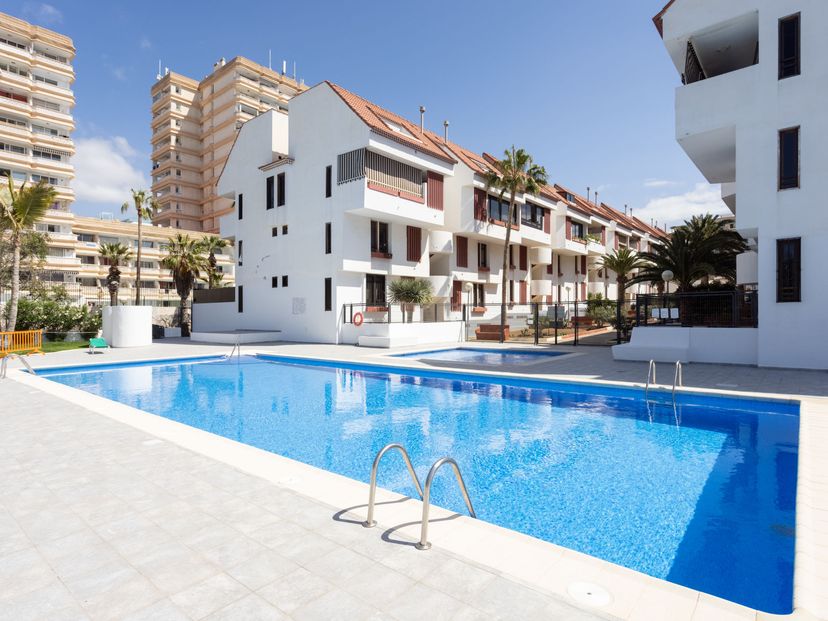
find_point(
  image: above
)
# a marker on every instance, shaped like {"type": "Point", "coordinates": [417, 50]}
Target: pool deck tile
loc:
{"type": "Point", "coordinates": [101, 519]}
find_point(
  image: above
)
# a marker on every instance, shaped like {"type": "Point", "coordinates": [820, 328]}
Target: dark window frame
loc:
{"type": "Point", "coordinates": [328, 181]}
{"type": "Point", "coordinates": [284, 229]}
{"type": "Point", "coordinates": [328, 241]}
{"type": "Point", "coordinates": [274, 282]}
{"type": "Point", "coordinates": [274, 231]}
{"type": "Point", "coordinates": [535, 215]}
{"type": "Point", "coordinates": [284, 281]}
{"type": "Point", "coordinates": [280, 189]}
{"type": "Point", "coordinates": [240, 298]}
{"type": "Point", "coordinates": [328, 294]}
{"type": "Point", "coordinates": [375, 290]}
{"type": "Point", "coordinates": [380, 237]}
{"type": "Point", "coordinates": [269, 193]}
{"type": "Point", "coordinates": [482, 255]}
{"type": "Point", "coordinates": [789, 180]}
{"type": "Point", "coordinates": [790, 65]}
{"type": "Point", "coordinates": [789, 270]}
{"type": "Point", "coordinates": [240, 206]}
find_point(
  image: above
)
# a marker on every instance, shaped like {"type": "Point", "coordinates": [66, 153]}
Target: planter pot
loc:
{"type": "Point", "coordinates": [127, 326]}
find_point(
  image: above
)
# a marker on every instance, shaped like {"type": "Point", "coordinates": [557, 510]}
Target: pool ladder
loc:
{"type": "Point", "coordinates": [4, 365]}
{"type": "Point", "coordinates": [425, 494]}
{"type": "Point", "coordinates": [236, 350]}
{"type": "Point", "coordinates": [678, 379]}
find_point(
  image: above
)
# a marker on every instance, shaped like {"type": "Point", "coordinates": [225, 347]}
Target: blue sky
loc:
{"type": "Point", "coordinates": [586, 87]}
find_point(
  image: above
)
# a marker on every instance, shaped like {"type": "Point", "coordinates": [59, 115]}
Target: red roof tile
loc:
{"type": "Point", "coordinates": [375, 117]}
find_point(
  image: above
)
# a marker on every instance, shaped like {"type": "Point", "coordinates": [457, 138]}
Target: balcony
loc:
{"type": "Point", "coordinates": [540, 287]}
{"type": "Point", "coordinates": [540, 255]}
{"type": "Point", "coordinates": [14, 104]}
{"type": "Point", "coordinates": [440, 242]}
{"type": "Point", "coordinates": [595, 247]}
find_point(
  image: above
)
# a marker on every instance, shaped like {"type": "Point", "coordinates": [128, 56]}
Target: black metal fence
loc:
{"type": "Point", "coordinates": [709, 309]}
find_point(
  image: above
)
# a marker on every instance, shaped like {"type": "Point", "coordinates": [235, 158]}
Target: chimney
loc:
{"type": "Point", "coordinates": [587, 193]}
{"type": "Point", "coordinates": [596, 198]}
{"type": "Point", "coordinates": [625, 209]}
{"type": "Point", "coordinates": [422, 118]}
{"type": "Point", "coordinates": [445, 131]}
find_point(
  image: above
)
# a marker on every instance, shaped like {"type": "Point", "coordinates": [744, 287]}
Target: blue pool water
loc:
{"type": "Point", "coordinates": [702, 496]}
{"type": "Point", "coordinates": [486, 357]}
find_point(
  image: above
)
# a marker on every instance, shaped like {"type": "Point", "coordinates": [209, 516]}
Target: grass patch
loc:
{"type": "Point", "coordinates": [53, 346]}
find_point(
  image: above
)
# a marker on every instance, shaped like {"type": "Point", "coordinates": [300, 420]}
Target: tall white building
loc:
{"type": "Point", "coordinates": [751, 113]}
{"type": "Point", "coordinates": [342, 197]}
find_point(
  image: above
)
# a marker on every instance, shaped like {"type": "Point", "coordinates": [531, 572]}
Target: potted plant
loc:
{"type": "Point", "coordinates": [409, 292]}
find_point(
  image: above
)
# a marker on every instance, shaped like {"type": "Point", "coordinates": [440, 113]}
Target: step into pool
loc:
{"type": "Point", "coordinates": [483, 356]}
{"type": "Point", "coordinates": [702, 495]}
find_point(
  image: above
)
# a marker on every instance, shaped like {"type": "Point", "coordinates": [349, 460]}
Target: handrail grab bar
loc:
{"type": "Point", "coordinates": [678, 380]}
{"type": "Point", "coordinates": [372, 494]}
{"type": "Point", "coordinates": [5, 364]}
{"type": "Point", "coordinates": [424, 544]}
{"type": "Point", "coordinates": [651, 370]}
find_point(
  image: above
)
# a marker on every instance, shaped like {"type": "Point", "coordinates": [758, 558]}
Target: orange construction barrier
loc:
{"type": "Point", "coordinates": [23, 341]}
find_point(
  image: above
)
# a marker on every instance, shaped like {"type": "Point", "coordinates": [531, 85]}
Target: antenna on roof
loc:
{"type": "Point", "coordinates": [625, 209]}
{"type": "Point", "coordinates": [596, 198]}
{"type": "Point", "coordinates": [445, 131]}
{"type": "Point", "coordinates": [587, 193]}
{"type": "Point", "coordinates": [631, 212]}
{"type": "Point", "coordinates": [422, 118]}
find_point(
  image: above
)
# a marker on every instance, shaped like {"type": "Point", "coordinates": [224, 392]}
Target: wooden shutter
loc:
{"type": "Point", "coordinates": [603, 235]}
{"type": "Point", "coordinates": [462, 251]}
{"type": "Point", "coordinates": [434, 189]}
{"type": "Point", "coordinates": [479, 204]}
{"type": "Point", "coordinates": [456, 295]}
{"type": "Point", "coordinates": [569, 228]}
{"type": "Point", "coordinates": [414, 236]}
{"type": "Point", "coordinates": [523, 258]}
{"type": "Point", "coordinates": [583, 291]}
{"type": "Point", "coordinates": [523, 298]}
{"type": "Point", "coordinates": [616, 240]}
{"type": "Point", "coordinates": [547, 221]}
{"type": "Point", "coordinates": [583, 265]}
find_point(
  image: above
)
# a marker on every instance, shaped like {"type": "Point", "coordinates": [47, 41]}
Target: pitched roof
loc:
{"type": "Point", "coordinates": [377, 119]}
{"type": "Point", "coordinates": [658, 20]}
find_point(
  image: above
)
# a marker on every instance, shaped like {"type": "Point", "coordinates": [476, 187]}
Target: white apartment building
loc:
{"type": "Point", "coordinates": [194, 124]}
{"type": "Point", "coordinates": [340, 198]}
{"type": "Point", "coordinates": [36, 102]}
{"type": "Point", "coordinates": [751, 115]}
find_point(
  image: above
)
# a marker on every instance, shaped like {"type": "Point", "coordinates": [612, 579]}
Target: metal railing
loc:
{"type": "Point", "coordinates": [372, 494]}
{"type": "Point", "coordinates": [21, 341]}
{"type": "Point", "coordinates": [5, 363]}
{"type": "Point", "coordinates": [678, 380]}
{"type": "Point", "coordinates": [651, 377]}
{"type": "Point", "coordinates": [424, 544]}
{"type": "Point", "coordinates": [708, 309]}
{"type": "Point", "coordinates": [401, 313]}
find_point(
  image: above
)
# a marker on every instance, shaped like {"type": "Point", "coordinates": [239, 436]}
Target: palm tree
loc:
{"type": "Point", "coordinates": [515, 174]}
{"type": "Point", "coordinates": [20, 208]}
{"type": "Point", "coordinates": [210, 244]}
{"type": "Point", "coordinates": [701, 248]}
{"type": "Point", "coordinates": [623, 262]}
{"type": "Point", "coordinates": [116, 254]}
{"type": "Point", "coordinates": [186, 262]}
{"type": "Point", "coordinates": [145, 206]}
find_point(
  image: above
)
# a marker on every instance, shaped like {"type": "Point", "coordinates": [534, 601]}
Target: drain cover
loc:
{"type": "Point", "coordinates": [589, 594]}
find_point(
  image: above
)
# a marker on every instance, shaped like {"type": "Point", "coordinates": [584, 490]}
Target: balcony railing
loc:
{"type": "Point", "coordinates": [400, 313]}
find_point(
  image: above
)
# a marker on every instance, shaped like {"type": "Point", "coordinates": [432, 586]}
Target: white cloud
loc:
{"type": "Point", "coordinates": [119, 73]}
{"type": "Point", "coordinates": [104, 172]}
{"type": "Point", "coordinates": [675, 209]}
{"type": "Point", "coordinates": [42, 12]}
{"type": "Point", "coordinates": [659, 183]}
{"type": "Point", "coordinates": [145, 43]}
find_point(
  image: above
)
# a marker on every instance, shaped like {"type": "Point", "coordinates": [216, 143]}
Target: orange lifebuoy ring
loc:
{"type": "Point", "coordinates": [358, 319]}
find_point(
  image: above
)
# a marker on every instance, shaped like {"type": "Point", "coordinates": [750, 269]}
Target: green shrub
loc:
{"type": "Point", "coordinates": [55, 313]}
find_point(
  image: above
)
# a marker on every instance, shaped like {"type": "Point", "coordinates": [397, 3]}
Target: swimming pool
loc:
{"type": "Point", "coordinates": [479, 355]}
{"type": "Point", "coordinates": [703, 496]}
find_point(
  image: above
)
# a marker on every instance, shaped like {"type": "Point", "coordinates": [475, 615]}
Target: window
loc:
{"type": "Point", "coordinates": [274, 232]}
{"type": "Point", "coordinates": [284, 281]}
{"type": "Point", "coordinates": [478, 296]}
{"type": "Point", "coordinates": [482, 256]}
{"type": "Point", "coordinates": [269, 193]}
{"type": "Point", "coordinates": [241, 252]}
{"type": "Point", "coordinates": [531, 215]}
{"type": "Point", "coordinates": [328, 293]}
{"type": "Point", "coordinates": [789, 158]}
{"type": "Point", "coordinates": [414, 243]}
{"type": "Point", "coordinates": [284, 229]}
{"type": "Point", "coordinates": [328, 237]}
{"type": "Point", "coordinates": [789, 47]}
{"type": "Point", "coordinates": [375, 290]}
{"type": "Point", "coordinates": [462, 251]}
{"type": "Point", "coordinates": [576, 230]}
{"type": "Point", "coordinates": [274, 282]}
{"type": "Point", "coordinates": [240, 205]}
{"type": "Point", "coordinates": [280, 189]}
{"type": "Point", "coordinates": [240, 299]}
{"type": "Point", "coordinates": [379, 239]}
{"type": "Point", "coordinates": [328, 183]}
{"type": "Point", "coordinates": [788, 270]}
{"type": "Point", "coordinates": [87, 260]}
{"type": "Point", "coordinates": [499, 210]}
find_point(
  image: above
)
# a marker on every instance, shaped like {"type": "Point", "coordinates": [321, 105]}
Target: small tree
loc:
{"type": "Point", "coordinates": [409, 292]}
{"type": "Point", "coordinates": [20, 208]}
{"type": "Point", "coordinates": [210, 244]}
{"type": "Point", "coordinates": [116, 255]}
{"type": "Point", "coordinates": [186, 263]}
{"type": "Point", "coordinates": [145, 206]}
{"type": "Point", "coordinates": [623, 262]}
{"type": "Point", "coordinates": [516, 174]}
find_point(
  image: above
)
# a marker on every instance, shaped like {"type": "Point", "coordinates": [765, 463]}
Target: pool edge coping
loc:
{"type": "Point", "coordinates": [338, 491]}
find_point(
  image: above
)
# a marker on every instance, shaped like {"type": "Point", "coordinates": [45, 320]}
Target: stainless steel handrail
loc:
{"type": "Point", "coordinates": [677, 379]}
{"type": "Point", "coordinates": [4, 365]}
{"type": "Point", "coordinates": [236, 349]}
{"type": "Point", "coordinates": [372, 495]}
{"type": "Point", "coordinates": [424, 544]}
{"type": "Point", "coordinates": [651, 370]}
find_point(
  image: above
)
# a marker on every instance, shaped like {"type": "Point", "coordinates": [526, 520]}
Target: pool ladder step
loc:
{"type": "Point", "coordinates": [4, 365]}
{"type": "Point", "coordinates": [678, 380]}
{"type": "Point", "coordinates": [425, 493]}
